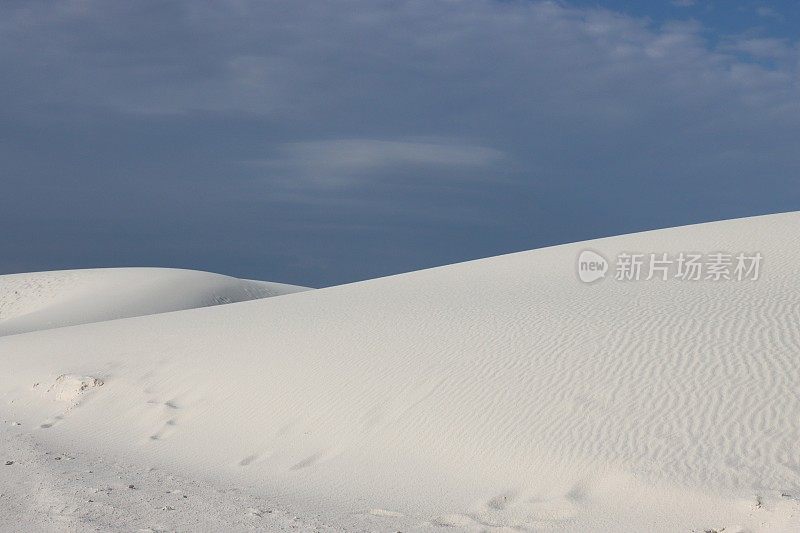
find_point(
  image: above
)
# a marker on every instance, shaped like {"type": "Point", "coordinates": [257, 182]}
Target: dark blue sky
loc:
{"type": "Point", "coordinates": [321, 143]}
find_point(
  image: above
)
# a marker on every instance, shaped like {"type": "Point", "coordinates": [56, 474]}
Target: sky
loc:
{"type": "Point", "coordinates": [321, 143]}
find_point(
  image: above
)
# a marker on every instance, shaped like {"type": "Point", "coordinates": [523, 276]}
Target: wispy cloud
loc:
{"type": "Point", "coordinates": [343, 162]}
{"type": "Point", "coordinates": [769, 13]}
{"type": "Point", "coordinates": [764, 47]}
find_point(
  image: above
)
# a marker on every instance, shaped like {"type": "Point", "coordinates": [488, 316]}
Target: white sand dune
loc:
{"type": "Point", "coordinates": [43, 300]}
{"type": "Point", "coordinates": [499, 393]}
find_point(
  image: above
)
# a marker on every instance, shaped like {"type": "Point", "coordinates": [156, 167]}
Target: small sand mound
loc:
{"type": "Point", "coordinates": [69, 387]}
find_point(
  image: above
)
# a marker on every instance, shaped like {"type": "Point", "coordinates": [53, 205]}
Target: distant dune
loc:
{"type": "Point", "coordinates": [499, 394]}
{"type": "Point", "coordinates": [43, 300]}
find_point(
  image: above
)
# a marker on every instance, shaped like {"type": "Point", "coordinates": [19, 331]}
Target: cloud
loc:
{"type": "Point", "coordinates": [764, 48]}
{"type": "Point", "coordinates": [769, 13]}
{"type": "Point", "coordinates": [344, 162]}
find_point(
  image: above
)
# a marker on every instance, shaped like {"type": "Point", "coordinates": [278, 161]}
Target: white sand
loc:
{"type": "Point", "coordinates": [43, 300]}
{"type": "Point", "coordinates": [500, 393]}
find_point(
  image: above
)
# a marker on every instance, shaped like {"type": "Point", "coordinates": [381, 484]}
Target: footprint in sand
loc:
{"type": "Point", "coordinates": [511, 510]}
{"type": "Point", "coordinates": [51, 422]}
{"type": "Point", "coordinates": [501, 501]}
{"type": "Point", "coordinates": [249, 460]}
{"type": "Point", "coordinates": [168, 417]}
{"type": "Point", "coordinates": [308, 461]}
{"type": "Point", "coordinates": [166, 431]}
{"type": "Point", "coordinates": [315, 459]}
{"type": "Point", "coordinates": [386, 513]}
